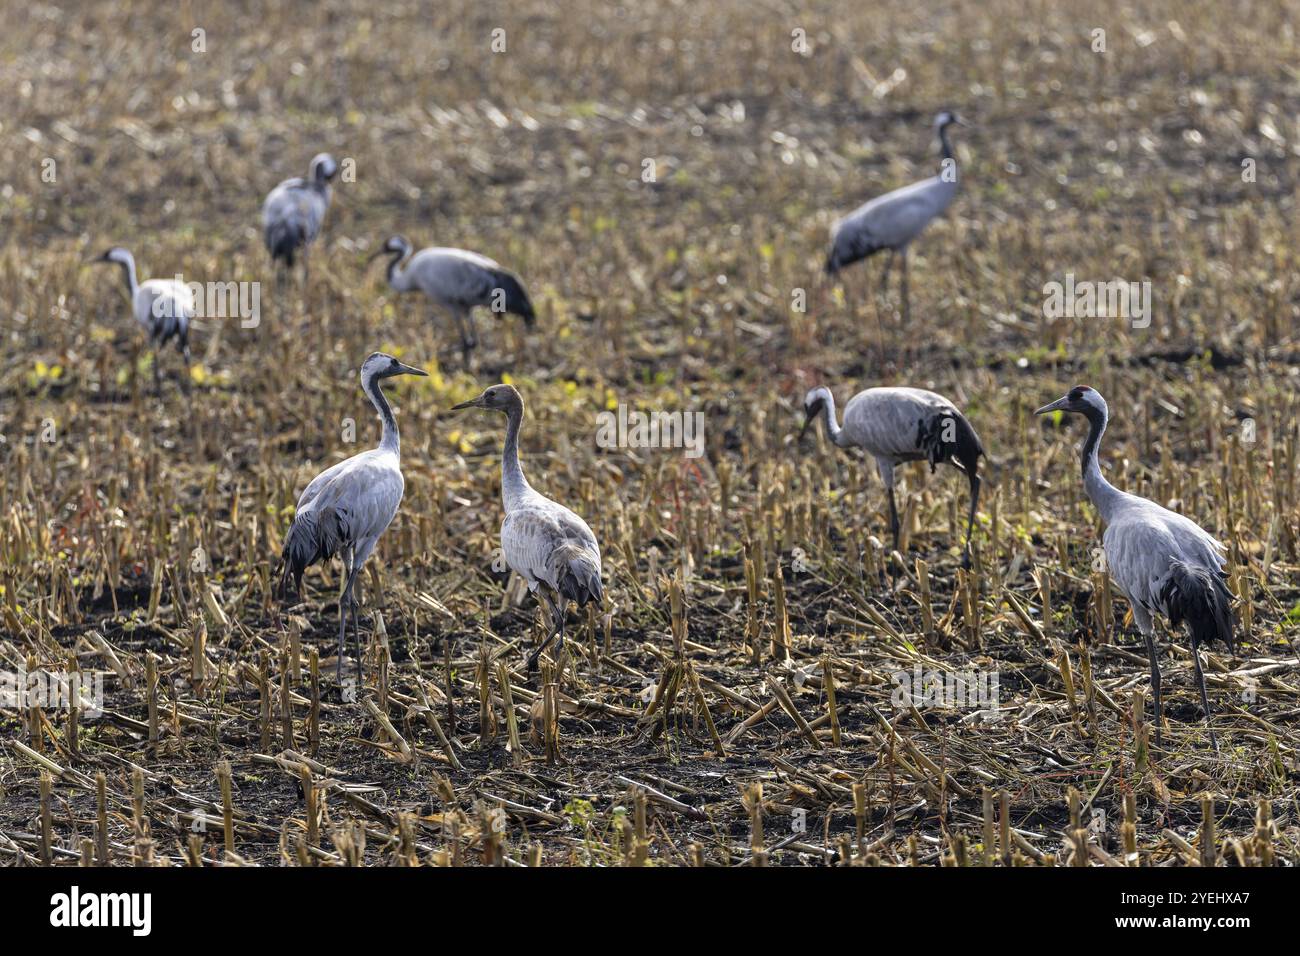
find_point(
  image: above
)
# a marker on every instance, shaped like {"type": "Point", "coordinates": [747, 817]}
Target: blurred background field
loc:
{"type": "Point", "coordinates": [1168, 158]}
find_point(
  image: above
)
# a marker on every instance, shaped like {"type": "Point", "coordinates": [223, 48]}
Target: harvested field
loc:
{"type": "Point", "coordinates": [662, 177]}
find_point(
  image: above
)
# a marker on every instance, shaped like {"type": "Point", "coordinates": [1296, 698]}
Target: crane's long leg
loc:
{"type": "Point", "coordinates": [354, 606]}
{"type": "Point", "coordinates": [894, 526]}
{"type": "Point", "coordinates": [349, 559]}
{"type": "Point", "coordinates": [1153, 656]}
{"type": "Point", "coordinates": [1205, 698]}
{"type": "Point", "coordinates": [185, 352]}
{"type": "Point", "coordinates": [557, 627]}
{"type": "Point", "coordinates": [970, 520]}
{"type": "Point", "coordinates": [343, 623]}
{"type": "Point", "coordinates": [884, 276]}
{"type": "Point", "coordinates": [157, 372]}
{"type": "Point", "coordinates": [468, 340]}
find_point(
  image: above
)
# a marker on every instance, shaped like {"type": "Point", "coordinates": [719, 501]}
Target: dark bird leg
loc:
{"type": "Point", "coordinates": [1153, 656]}
{"type": "Point", "coordinates": [344, 598]}
{"type": "Point", "coordinates": [354, 605]}
{"type": "Point", "coordinates": [157, 372]}
{"type": "Point", "coordinates": [884, 276]}
{"type": "Point", "coordinates": [894, 526]}
{"type": "Point", "coordinates": [557, 627]}
{"type": "Point", "coordinates": [1205, 698]}
{"type": "Point", "coordinates": [970, 520]}
{"type": "Point", "coordinates": [185, 351]}
{"type": "Point", "coordinates": [468, 341]}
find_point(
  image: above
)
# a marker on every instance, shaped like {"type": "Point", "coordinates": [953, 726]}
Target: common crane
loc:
{"type": "Point", "coordinates": [542, 541]}
{"type": "Point", "coordinates": [1161, 561]}
{"type": "Point", "coordinates": [163, 306]}
{"type": "Point", "coordinates": [456, 281]}
{"type": "Point", "coordinates": [295, 209]}
{"type": "Point", "coordinates": [896, 425]}
{"type": "Point", "coordinates": [893, 220]}
{"type": "Point", "coordinates": [349, 505]}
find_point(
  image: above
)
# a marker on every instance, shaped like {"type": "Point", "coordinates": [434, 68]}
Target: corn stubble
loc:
{"type": "Point", "coordinates": [733, 702]}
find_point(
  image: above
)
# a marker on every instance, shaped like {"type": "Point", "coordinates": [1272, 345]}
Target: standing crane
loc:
{"type": "Point", "coordinates": [896, 425]}
{"type": "Point", "coordinates": [349, 505]}
{"type": "Point", "coordinates": [163, 306]}
{"type": "Point", "coordinates": [456, 281]}
{"type": "Point", "coordinates": [542, 541]}
{"type": "Point", "coordinates": [1160, 560]}
{"type": "Point", "coordinates": [893, 220]}
{"type": "Point", "coordinates": [294, 211]}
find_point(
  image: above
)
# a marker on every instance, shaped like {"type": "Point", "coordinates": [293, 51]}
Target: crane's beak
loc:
{"type": "Point", "coordinates": [812, 417]}
{"type": "Point", "coordinates": [381, 251]}
{"type": "Point", "coordinates": [472, 403]}
{"type": "Point", "coordinates": [1058, 405]}
{"type": "Point", "coordinates": [961, 122]}
{"type": "Point", "coordinates": [409, 370]}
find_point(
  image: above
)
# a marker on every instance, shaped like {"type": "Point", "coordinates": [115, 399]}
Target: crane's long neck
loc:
{"type": "Point", "coordinates": [128, 269]}
{"type": "Point", "coordinates": [513, 482]}
{"type": "Point", "coordinates": [389, 440]}
{"type": "Point", "coordinates": [398, 278]}
{"type": "Point", "coordinates": [833, 430]}
{"type": "Point", "coordinates": [1100, 492]}
{"type": "Point", "coordinates": [945, 147]}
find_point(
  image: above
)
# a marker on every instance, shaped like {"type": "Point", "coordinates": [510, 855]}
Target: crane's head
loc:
{"type": "Point", "coordinates": [814, 403]}
{"type": "Point", "coordinates": [1081, 399]}
{"type": "Point", "coordinates": [323, 168]}
{"type": "Point", "coordinates": [379, 365]}
{"type": "Point", "coordinates": [499, 397]}
{"type": "Point", "coordinates": [947, 118]}
{"type": "Point", "coordinates": [393, 246]}
{"type": "Point", "coordinates": [116, 255]}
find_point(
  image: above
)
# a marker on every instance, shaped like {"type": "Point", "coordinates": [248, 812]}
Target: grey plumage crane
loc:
{"type": "Point", "coordinates": [349, 505]}
{"type": "Point", "coordinates": [893, 220]}
{"type": "Point", "coordinates": [456, 281]}
{"type": "Point", "coordinates": [164, 307]}
{"type": "Point", "coordinates": [1161, 561]}
{"type": "Point", "coordinates": [541, 540]}
{"type": "Point", "coordinates": [294, 211]}
{"type": "Point", "coordinates": [896, 425]}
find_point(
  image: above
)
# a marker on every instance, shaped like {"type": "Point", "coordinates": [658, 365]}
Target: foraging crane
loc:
{"type": "Point", "coordinates": [457, 281]}
{"type": "Point", "coordinates": [1160, 560]}
{"type": "Point", "coordinates": [163, 306]}
{"type": "Point", "coordinates": [893, 220]}
{"type": "Point", "coordinates": [294, 211]}
{"type": "Point", "coordinates": [896, 425]}
{"type": "Point", "coordinates": [349, 505]}
{"type": "Point", "coordinates": [542, 541]}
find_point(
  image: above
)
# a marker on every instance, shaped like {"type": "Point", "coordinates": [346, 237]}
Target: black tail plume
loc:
{"type": "Point", "coordinates": [516, 296]}
{"type": "Point", "coordinates": [1200, 597]}
{"type": "Point", "coordinates": [313, 536]}
{"type": "Point", "coordinates": [947, 435]}
{"type": "Point", "coordinates": [282, 241]}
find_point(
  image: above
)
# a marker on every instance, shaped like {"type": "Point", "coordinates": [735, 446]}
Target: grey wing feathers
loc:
{"type": "Point", "coordinates": [292, 217]}
{"type": "Point", "coordinates": [544, 541]}
{"type": "Point", "coordinates": [577, 574]}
